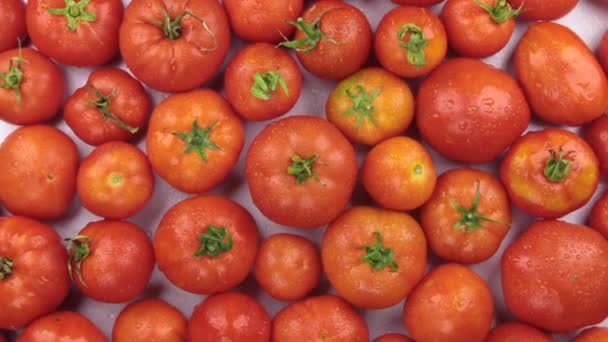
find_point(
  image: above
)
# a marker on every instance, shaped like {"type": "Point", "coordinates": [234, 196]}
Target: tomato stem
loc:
{"type": "Point", "coordinates": [303, 168]}
{"type": "Point", "coordinates": [471, 219]}
{"type": "Point", "coordinates": [198, 140]}
{"type": "Point", "coordinates": [74, 13]}
{"type": "Point", "coordinates": [379, 256]}
{"type": "Point", "coordinates": [215, 241]}
{"type": "Point", "coordinates": [363, 104]}
{"type": "Point", "coordinates": [6, 267]}
{"type": "Point", "coordinates": [172, 28]}
{"type": "Point", "coordinates": [14, 76]}
{"type": "Point", "coordinates": [103, 104]}
{"type": "Point", "coordinates": [313, 32]}
{"type": "Point", "coordinates": [501, 11]}
{"type": "Point", "coordinates": [79, 248]}
{"type": "Point", "coordinates": [558, 165]}
{"type": "Point", "coordinates": [415, 45]}
{"type": "Point", "coordinates": [266, 83]}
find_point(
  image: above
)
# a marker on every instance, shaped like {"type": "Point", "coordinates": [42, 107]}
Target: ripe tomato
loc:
{"type": "Point", "coordinates": [452, 303]}
{"type": "Point", "coordinates": [542, 9]}
{"type": "Point", "coordinates": [301, 171]}
{"type": "Point", "coordinates": [603, 53]}
{"type": "Point", "coordinates": [332, 40]}
{"type": "Point", "coordinates": [595, 334]}
{"type": "Point", "coordinates": [288, 266]}
{"type": "Point", "coordinates": [13, 24]}
{"type": "Point", "coordinates": [550, 173]}
{"type": "Point", "coordinates": [262, 82]}
{"type": "Point", "coordinates": [467, 217]}
{"type": "Point", "coordinates": [517, 332]}
{"type": "Point", "coordinates": [173, 45]}
{"type": "Point", "coordinates": [399, 173]}
{"type": "Point", "coordinates": [393, 338]}
{"type": "Point", "coordinates": [217, 239]}
{"type": "Point", "coordinates": [596, 135]}
{"type": "Point", "coordinates": [115, 181]}
{"type": "Point", "coordinates": [62, 326]}
{"type": "Point", "coordinates": [470, 111]}
{"type": "Point", "coordinates": [32, 87]}
{"type": "Point", "coordinates": [194, 140]}
{"type": "Point", "coordinates": [111, 106]}
{"type": "Point", "coordinates": [410, 41]}
{"type": "Point", "coordinates": [229, 316]}
{"type": "Point", "coordinates": [598, 217]}
{"type": "Point", "coordinates": [34, 276]}
{"type": "Point", "coordinates": [563, 80]}
{"type": "Point", "coordinates": [325, 318]}
{"type": "Point", "coordinates": [150, 320]}
{"type": "Point", "coordinates": [370, 106]}
{"type": "Point", "coordinates": [39, 166]}
{"type": "Point", "coordinates": [263, 20]}
{"type": "Point", "coordinates": [83, 33]}
{"type": "Point", "coordinates": [554, 276]}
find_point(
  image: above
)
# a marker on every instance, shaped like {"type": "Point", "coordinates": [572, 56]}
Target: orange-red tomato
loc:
{"type": "Point", "coordinates": [517, 332]}
{"type": "Point", "coordinates": [543, 9]}
{"type": "Point", "coordinates": [595, 334]}
{"type": "Point", "coordinates": [596, 134]}
{"type": "Point", "coordinates": [598, 217]}
{"type": "Point", "coordinates": [603, 53]}
{"type": "Point", "coordinates": [62, 326]}
{"type": "Point", "coordinates": [13, 24]}
{"type": "Point", "coordinates": [150, 320]}
{"type": "Point", "coordinates": [393, 338]}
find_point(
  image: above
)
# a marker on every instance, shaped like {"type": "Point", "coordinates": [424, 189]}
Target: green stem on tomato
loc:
{"type": "Point", "coordinates": [102, 103]}
{"type": "Point", "coordinates": [266, 83]}
{"type": "Point", "coordinates": [558, 165]}
{"type": "Point", "coordinates": [79, 248]}
{"type": "Point", "coordinates": [172, 28]}
{"type": "Point", "coordinates": [415, 45]}
{"type": "Point", "coordinates": [14, 76]}
{"type": "Point", "coordinates": [6, 267]}
{"type": "Point", "coordinates": [215, 241]}
{"type": "Point", "coordinates": [363, 104]}
{"type": "Point", "coordinates": [198, 140]}
{"type": "Point", "coordinates": [380, 257]}
{"type": "Point", "coordinates": [74, 12]}
{"type": "Point", "coordinates": [303, 168]}
{"type": "Point", "coordinates": [313, 33]}
{"type": "Point", "coordinates": [501, 11]}
{"type": "Point", "coordinates": [471, 219]}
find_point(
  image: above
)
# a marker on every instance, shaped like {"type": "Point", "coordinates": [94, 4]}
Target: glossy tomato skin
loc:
{"type": "Point", "coordinates": [393, 338]}
{"type": "Point", "coordinates": [595, 334]}
{"type": "Point", "coordinates": [452, 303]}
{"type": "Point", "coordinates": [598, 217]}
{"type": "Point", "coordinates": [39, 179]}
{"type": "Point", "coordinates": [239, 79]}
{"type": "Point", "coordinates": [185, 224]}
{"type": "Point", "coordinates": [150, 319]}
{"type": "Point", "coordinates": [280, 196]}
{"type": "Point", "coordinates": [39, 281]}
{"type": "Point", "coordinates": [173, 158]}
{"type": "Point", "coordinates": [517, 332]}
{"type": "Point", "coordinates": [42, 79]}
{"type": "Point", "coordinates": [544, 10]}
{"type": "Point", "coordinates": [319, 318]}
{"type": "Point", "coordinates": [560, 286]}
{"type": "Point", "coordinates": [180, 64]}
{"type": "Point", "coordinates": [470, 111]}
{"type": "Point", "coordinates": [596, 134]}
{"type": "Point", "coordinates": [88, 43]}
{"type": "Point", "coordinates": [603, 51]}
{"type": "Point", "coordinates": [558, 71]}
{"type": "Point", "coordinates": [128, 103]}
{"type": "Point", "coordinates": [13, 24]}
{"type": "Point", "coordinates": [229, 316]}
{"type": "Point", "coordinates": [62, 326]}
{"type": "Point", "coordinates": [523, 168]}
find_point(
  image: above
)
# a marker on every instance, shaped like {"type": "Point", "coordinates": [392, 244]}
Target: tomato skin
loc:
{"type": "Point", "coordinates": [420, 3]}
{"type": "Point", "coordinates": [603, 51]}
{"type": "Point", "coordinates": [39, 166]}
{"type": "Point", "coordinates": [40, 281]}
{"type": "Point", "coordinates": [239, 79]}
{"type": "Point", "coordinates": [544, 10]}
{"type": "Point", "coordinates": [13, 24]}
{"type": "Point", "coordinates": [174, 65]}
{"type": "Point", "coordinates": [393, 338]}
{"type": "Point", "coordinates": [184, 223]}
{"type": "Point", "coordinates": [42, 80]}
{"type": "Point", "coordinates": [594, 334]}
{"type": "Point", "coordinates": [150, 319]}
{"type": "Point", "coordinates": [596, 134]}
{"type": "Point", "coordinates": [62, 326]}
{"type": "Point", "coordinates": [598, 217]}
{"type": "Point", "coordinates": [89, 44]}
{"type": "Point", "coordinates": [517, 332]}
{"type": "Point", "coordinates": [278, 194]}
{"type": "Point", "coordinates": [522, 172]}
{"type": "Point", "coordinates": [452, 303]}
{"type": "Point", "coordinates": [557, 70]}
{"type": "Point", "coordinates": [220, 317]}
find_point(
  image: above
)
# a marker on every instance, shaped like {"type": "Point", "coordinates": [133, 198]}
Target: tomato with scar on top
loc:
{"type": "Point", "coordinates": [13, 25]}
{"type": "Point", "coordinates": [62, 326]}
{"type": "Point", "coordinates": [150, 319]}
{"type": "Point", "coordinates": [543, 9]}
{"type": "Point", "coordinates": [517, 332]}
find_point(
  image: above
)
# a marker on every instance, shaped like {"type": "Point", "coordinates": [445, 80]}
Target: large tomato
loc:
{"type": "Point", "coordinates": [517, 332]}
{"type": "Point", "coordinates": [13, 23]}
{"type": "Point", "coordinates": [596, 134]}
{"type": "Point", "coordinates": [598, 217]}
{"type": "Point", "coordinates": [62, 326]}
{"type": "Point", "coordinates": [543, 9]}
{"type": "Point", "coordinates": [151, 320]}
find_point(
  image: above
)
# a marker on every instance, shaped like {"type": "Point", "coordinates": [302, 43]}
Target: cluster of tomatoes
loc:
{"type": "Point", "coordinates": [301, 171]}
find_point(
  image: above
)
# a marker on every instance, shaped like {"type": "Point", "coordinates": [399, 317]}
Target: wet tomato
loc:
{"type": "Point", "coordinates": [598, 217]}
{"type": "Point", "coordinates": [150, 320]}
{"type": "Point", "coordinates": [393, 338]}
{"type": "Point", "coordinates": [595, 334]}
{"type": "Point", "coordinates": [517, 332]}
{"type": "Point", "coordinates": [13, 23]}
{"type": "Point", "coordinates": [62, 326]}
{"type": "Point", "coordinates": [596, 134]}
{"type": "Point", "coordinates": [544, 10]}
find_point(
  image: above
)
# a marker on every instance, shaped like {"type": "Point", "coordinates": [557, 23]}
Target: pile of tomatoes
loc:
{"type": "Point", "coordinates": [363, 176]}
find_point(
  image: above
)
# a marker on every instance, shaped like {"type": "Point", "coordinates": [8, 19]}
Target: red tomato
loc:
{"type": "Point", "coordinates": [598, 217]}
{"type": "Point", "coordinates": [174, 45]}
{"type": "Point", "coordinates": [595, 334]}
{"type": "Point", "coordinates": [34, 276]}
{"type": "Point", "coordinates": [517, 332]}
{"type": "Point", "coordinates": [230, 316]}
{"type": "Point", "coordinates": [83, 33]}
{"type": "Point", "coordinates": [596, 135]}
{"type": "Point", "coordinates": [32, 87]}
{"type": "Point", "coordinates": [217, 239]}
{"type": "Point", "coordinates": [543, 9]}
{"type": "Point", "coordinates": [150, 320]}
{"type": "Point", "coordinates": [393, 338]}
{"type": "Point", "coordinates": [603, 53]}
{"type": "Point", "coordinates": [301, 171]}
{"type": "Point", "coordinates": [262, 82]}
{"type": "Point", "coordinates": [13, 24]}
{"type": "Point", "coordinates": [62, 326]}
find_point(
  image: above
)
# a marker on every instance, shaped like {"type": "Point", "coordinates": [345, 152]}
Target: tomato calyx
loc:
{"type": "Point", "coordinates": [380, 257]}
{"type": "Point", "coordinates": [471, 219]}
{"type": "Point", "coordinates": [415, 45]}
{"type": "Point", "coordinates": [14, 76]}
{"type": "Point", "coordinates": [172, 28]}
{"type": "Point", "coordinates": [215, 241]}
{"type": "Point", "coordinates": [79, 248]}
{"type": "Point", "coordinates": [102, 103]}
{"type": "Point", "coordinates": [198, 140]}
{"type": "Point", "coordinates": [6, 267]}
{"type": "Point", "coordinates": [558, 165]}
{"type": "Point", "coordinates": [501, 11]}
{"type": "Point", "coordinates": [313, 32]}
{"type": "Point", "coordinates": [266, 83]}
{"type": "Point", "coordinates": [303, 168]}
{"type": "Point", "coordinates": [74, 12]}
{"type": "Point", "coordinates": [363, 104]}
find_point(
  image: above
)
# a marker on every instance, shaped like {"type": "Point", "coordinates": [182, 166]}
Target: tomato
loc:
{"type": "Point", "coordinates": [115, 181]}
{"type": "Point", "coordinates": [550, 173]}
{"type": "Point", "coordinates": [34, 276]}
{"type": "Point", "coordinates": [301, 171]}
{"type": "Point", "coordinates": [217, 239]}
{"type": "Point", "coordinates": [554, 276]}
{"type": "Point", "coordinates": [596, 134]}
{"type": "Point", "coordinates": [325, 318]}
{"type": "Point", "coordinates": [194, 140]}
{"type": "Point", "coordinates": [410, 41]}
{"type": "Point", "coordinates": [467, 217]}
{"type": "Point", "coordinates": [478, 28]}
{"type": "Point", "coordinates": [111, 106]}
{"type": "Point", "coordinates": [595, 334]}
{"type": "Point", "coordinates": [288, 266]}
{"type": "Point", "coordinates": [62, 326]}
{"type": "Point", "coordinates": [83, 33]}
{"type": "Point", "coordinates": [417, 2]}
{"type": "Point", "coordinates": [470, 111]}
{"type": "Point", "coordinates": [563, 80]}
{"type": "Point", "coordinates": [150, 319]}
{"type": "Point", "coordinates": [603, 51]}
{"type": "Point", "coordinates": [399, 173]}
{"type": "Point", "coordinates": [598, 217]}
{"type": "Point", "coordinates": [262, 82]}
{"type": "Point", "coordinates": [370, 106]}
{"type": "Point", "coordinates": [39, 166]}
{"type": "Point", "coordinates": [517, 332]}
{"type": "Point", "coordinates": [393, 338]}
{"type": "Point", "coordinates": [229, 316]}
{"type": "Point", "coordinates": [263, 20]}
{"type": "Point", "coordinates": [544, 10]}
{"type": "Point", "coordinates": [13, 25]}
{"type": "Point", "coordinates": [183, 47]}
{"type": "Point", "coordinates": [31, 87]}
{"type": "Point", "coordinates": [332, 40]}
{"type": "Point", "coordinates": [452, 303]}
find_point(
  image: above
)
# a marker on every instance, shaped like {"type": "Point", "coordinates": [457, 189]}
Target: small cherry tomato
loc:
{"type": "Point", "coordinates": [150, 320]}
{"type": "Point", "coordinates": [596, 135]}
{"type": "Point", "coordinates": [393, 338]}
{"type": "Point", "coordinates": [13, 24]}
{"type": "Point", "coordinates": [603, 53]}
{"type": "Point", "coordinates": [594, 334]}
{"type": "Point", "coordinates": [543, 9]}
{"type": "Point", "coordinates": [370, 106]}
{"type": "Point", "coordinates": [517, 332]}
{"type": "Point", "coordinates": [262, 82]}
{"type": "Point", "coordinates": [62, 326]}
{"type": "Point", "coordinates": [598, 217]}
{"type": "Point", "coordinates": [550, 173]}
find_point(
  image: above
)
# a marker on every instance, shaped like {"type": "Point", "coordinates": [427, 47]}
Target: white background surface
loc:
{"type": "Point", "coordinates": [588, 19]}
